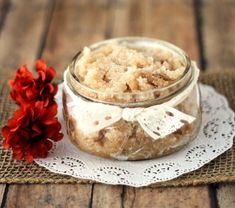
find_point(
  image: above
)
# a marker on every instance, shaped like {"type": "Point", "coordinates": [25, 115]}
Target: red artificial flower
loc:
{"type": "Point", "coordinates": [33, 127]}
{"type": "Point", "coordinates": [26, 90]}
{"type": "Point", "coordinates": [47, 90]}
{"type": "Point", "coordinates": [30, 132]}
{"type": "Point", "coordinates": [23, 86]}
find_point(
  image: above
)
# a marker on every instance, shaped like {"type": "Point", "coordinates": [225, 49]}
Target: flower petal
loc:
{"type": "Point", "coordinates": [50, 73]}
{"type": "Point", "coordinates": [40, 65]}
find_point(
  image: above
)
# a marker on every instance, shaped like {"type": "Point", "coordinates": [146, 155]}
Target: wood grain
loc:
{"type": "Point", "coordinates": [1, 7]}
{"type": "Point", "coordinates": [185, 197]}
{"type": "Point", "coordinates": [218, 33]}
{"type": "Point", "coordinates": [20, 38]}
{"type": "Point", "coordinates": [2, 189]}
{"type": "Point", "coordinates": [127, 18]}
{"type": "Point", "coordinates": [4, 8]}
{"type": "Point", "coordinates": [171, 20]}
{"type": "Point", "coordinates": [218, 30]}
{"type": "Point", "coordinates": [226, 195]}
{"type": "Point", "coordinates": [106, 196]}
{"type": "Point", "coordinates": [28, 196]}
{"type": "Point", "coordinates": [75, 24]}
{"type": "Point", "coordinates": [2, 19]}
{"type": "Point", "coordinates": [117, 196]}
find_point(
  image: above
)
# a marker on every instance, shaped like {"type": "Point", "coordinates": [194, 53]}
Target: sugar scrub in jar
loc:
{"type": "Point", "coordinates": [131, 98]}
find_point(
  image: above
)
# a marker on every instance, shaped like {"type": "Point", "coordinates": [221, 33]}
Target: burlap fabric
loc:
{"type": "Point", "coordinates": [222, 169]}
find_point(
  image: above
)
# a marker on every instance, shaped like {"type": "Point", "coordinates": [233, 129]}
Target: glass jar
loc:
{"type": "Point", "coordinates": [125, 137]}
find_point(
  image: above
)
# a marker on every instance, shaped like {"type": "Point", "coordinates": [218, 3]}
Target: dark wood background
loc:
{"type": "Point", "coordinates": [56, 29]}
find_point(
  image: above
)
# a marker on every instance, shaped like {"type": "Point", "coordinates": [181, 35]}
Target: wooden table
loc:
{"type": "Point", "coordinates": [56, 29]}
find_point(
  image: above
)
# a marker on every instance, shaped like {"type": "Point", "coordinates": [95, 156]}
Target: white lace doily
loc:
{"type": "Point", "coordinates": [215, 137]}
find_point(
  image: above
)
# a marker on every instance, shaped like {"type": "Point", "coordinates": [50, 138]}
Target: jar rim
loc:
{"type": "Point", "coordinates": [184, 78]}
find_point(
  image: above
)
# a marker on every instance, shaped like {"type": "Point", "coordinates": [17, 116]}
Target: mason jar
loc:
{"type": "Point", "coordinates": [134, 125]}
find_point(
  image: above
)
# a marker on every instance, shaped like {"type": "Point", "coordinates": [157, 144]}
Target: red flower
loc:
{"type": "Point", "coordinates": [46, 89]}
{"type": "Point", "coordinates": [33, 127]}
{"type": "Point", "coordinates": [30, 131]}
{"type": "Point", "coordinates": [26, 90]}
{"type": "Point", "coordinates": [23, 86]}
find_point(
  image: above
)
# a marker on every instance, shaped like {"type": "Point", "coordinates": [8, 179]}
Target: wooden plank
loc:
{"type": "Point", "coordinates": [184, 197]}
{"type": "Point", "coordinates": [83, 23]}
{"type": "Point", "coordinates": [171, 20]}
{"type": "Point", "coordinates": [118, 196]}
{"type": "Point", "coordinates": [106, 196]}
{"type": "Point", "coordinates": [2, 189]}
{"type": "Point", "coordinates": [226, 195]}
{"type": "Point", "coordinates": [218, 29]}
{"type": "Point", "coordinates": [4, 8]}
{"type": "Point", "coordinates": [3, 11]}
{"type": "Point", "coordinates": [128, 18]}
{"type": "Point", "coordinates": [20, 38]}
{"type": "Point", "coordinates": [1, 7]}
{"type": "Point", "coordinates": [56, 195]}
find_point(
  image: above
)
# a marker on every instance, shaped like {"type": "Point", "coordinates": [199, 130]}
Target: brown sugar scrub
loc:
{"type": "Point", "coordinates": [119, 68]}
{"type": "Point", "coordinates": [133, 75]}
